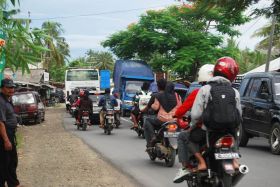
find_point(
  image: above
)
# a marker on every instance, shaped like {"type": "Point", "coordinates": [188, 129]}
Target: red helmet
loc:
{"type": "Point", "coordinates": [226, 67]}
{"type": "Point", "coordinates": [116, 95]}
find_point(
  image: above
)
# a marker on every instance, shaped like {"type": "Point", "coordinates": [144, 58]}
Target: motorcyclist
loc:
{"type": "Point", "coordinates": [166, 104]}
{"type": "Point", "coordinates": [117, 108]}
{"type": "Point", "coordinates": [85, 104]}
{"type": "Point", "coordinates": [106, 101]}
{"type": "Point", "coordinates": [205, 73]}
{"type": "Point", "coordinates": [135, 112]}
{"type": "Point", "coordinates": [77, 104]}
{"type": "Point", "coordinates": [225, 71]}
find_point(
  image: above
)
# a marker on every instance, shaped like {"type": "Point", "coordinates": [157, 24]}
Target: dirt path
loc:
{"type": "Point", "coordinates": [50, 156]}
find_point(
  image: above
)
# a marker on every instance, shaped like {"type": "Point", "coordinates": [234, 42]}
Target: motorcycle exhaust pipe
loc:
{"type": "Point", "coordinates": [242, 171]}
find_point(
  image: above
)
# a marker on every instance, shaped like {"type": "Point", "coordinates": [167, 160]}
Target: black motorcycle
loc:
{"type": "Point", "coordinates": [85, 121]}
{"type": "Point", "coordinates": [109, 121]}
{"type": "Point", "coordinates": [166, 143]}
{"type": "Point", "coordinates": [219, 153]}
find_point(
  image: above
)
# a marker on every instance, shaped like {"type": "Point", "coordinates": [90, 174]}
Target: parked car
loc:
{"type": "Point", "coordinates": [29, 106]}
{"type": "Point", "coordinates": [260, 102]}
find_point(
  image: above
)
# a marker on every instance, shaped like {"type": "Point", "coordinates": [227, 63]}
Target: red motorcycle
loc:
{"type": "Point", "coordinates": [85, 121]}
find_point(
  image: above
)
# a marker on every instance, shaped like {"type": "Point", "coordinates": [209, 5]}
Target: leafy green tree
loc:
{"type": "Point", "coordinates": [178, 38]}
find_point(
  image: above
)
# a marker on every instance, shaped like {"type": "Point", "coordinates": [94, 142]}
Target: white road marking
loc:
{"type": "Point", "coordinates": [129, 121]}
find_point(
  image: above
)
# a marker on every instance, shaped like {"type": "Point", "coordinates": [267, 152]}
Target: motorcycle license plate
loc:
{"type": "Point", "coordinates": [222, 156]}
{"type": "Point", "coordinates": [85, 117]}
{"type": "Point", "coordinates": [109, 117]}
{"type": "Point", "coordinates": [171, 134]}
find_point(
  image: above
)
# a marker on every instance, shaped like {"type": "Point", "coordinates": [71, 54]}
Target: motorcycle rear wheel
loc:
{"type": "Point", "coordinates": [226, 180]}
{"type": "Point", "coordinates": [169, 162]}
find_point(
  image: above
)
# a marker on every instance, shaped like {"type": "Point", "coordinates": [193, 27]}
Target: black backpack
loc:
{"type": "Point", "coordinates": [108, 102]}
{"type": "Point", "coordinates": [221, 111]}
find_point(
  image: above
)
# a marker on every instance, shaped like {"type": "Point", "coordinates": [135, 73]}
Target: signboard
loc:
{"type": "Point", "coordinates": [46, 77]}
{"type": "Point", "coordinates": [104, 79]}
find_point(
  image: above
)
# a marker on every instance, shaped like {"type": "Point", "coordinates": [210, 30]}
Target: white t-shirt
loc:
{"type": "Point", "coordinates": [119, 104]}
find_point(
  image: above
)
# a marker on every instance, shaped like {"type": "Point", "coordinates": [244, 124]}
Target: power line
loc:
{"type": "Point", "coordinates": [97, 14]}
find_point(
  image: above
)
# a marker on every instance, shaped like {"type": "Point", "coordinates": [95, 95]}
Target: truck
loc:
{"type": "Point", "coordinates": [128, 77]}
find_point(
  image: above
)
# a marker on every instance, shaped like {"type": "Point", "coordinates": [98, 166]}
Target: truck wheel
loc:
{"type": "Point", "coordinates": [274, 139]}
{"type": "Point", "coordinates": [243, 137]}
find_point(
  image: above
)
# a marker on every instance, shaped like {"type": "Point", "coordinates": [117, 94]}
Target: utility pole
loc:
{"type": "Point", "coordinates": [270, 43]}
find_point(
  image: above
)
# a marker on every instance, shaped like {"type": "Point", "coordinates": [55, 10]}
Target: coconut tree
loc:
{"type": "Point", "coordinates": [100, 59]}
{"type": "Point", "coordinates": [264, 32]}
{"type": "Point", "coordinates": [58, 49]}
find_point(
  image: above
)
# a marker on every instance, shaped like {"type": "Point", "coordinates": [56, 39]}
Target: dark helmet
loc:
{"type": "Point", "coordinates": [86, 93]}
{"type": "Point", "coordinates": [107, 91]}
{"type": "Point", "coordinates": [226, 67]}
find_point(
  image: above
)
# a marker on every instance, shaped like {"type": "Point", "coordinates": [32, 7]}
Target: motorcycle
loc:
{"type": "Point", "coordinates": [219, 153]}
{"type": "Point", "coordinates": [166, 143]}
{"type": "Point", "coordinates": [109, 121]}
{"type": "Point", "coordinates": [85, 121]}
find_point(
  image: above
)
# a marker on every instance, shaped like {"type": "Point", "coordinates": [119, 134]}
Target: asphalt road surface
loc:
{"type": "Point", "coordinates": [124, 149]}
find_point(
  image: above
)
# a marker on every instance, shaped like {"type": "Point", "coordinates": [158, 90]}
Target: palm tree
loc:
{"type": "Point", "coordinates": [265, 33]}
{"type": "Point", "coordinates": [58, 48]}
{"type": "Point", "coordinates": [100, 60]}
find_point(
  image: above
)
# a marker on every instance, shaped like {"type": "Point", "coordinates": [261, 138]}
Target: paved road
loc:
{"type": "Point", "coordinates": [126, 151]}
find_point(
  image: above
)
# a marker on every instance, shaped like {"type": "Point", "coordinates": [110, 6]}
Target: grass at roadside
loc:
{"type": "Point", "coordinates": [19, 136]}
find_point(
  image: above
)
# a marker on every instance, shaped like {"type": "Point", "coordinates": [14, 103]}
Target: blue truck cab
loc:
{"type": "Point", "coordinates": [128, 77]}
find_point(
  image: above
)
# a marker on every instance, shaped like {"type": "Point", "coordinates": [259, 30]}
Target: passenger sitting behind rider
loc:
{"type": "Point", "coordinates": [225, 71]}
{"type": "Point", "coordinates": [85, 104]}
{"type": "Point", "coordinates": [166, 104]}
{"type": "Point", "coordinates": [205, 73]}
{"type": "Point", "coordinates": [106, 101]}
{"type": "Point", "coordinates": [135, 112]}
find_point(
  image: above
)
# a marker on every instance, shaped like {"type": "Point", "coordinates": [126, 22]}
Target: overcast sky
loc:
{"type": "Point", "coordinates": [88, 22]}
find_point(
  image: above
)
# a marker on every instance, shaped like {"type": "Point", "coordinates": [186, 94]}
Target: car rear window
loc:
{"type": "Point", "coordinates": [23, 99]}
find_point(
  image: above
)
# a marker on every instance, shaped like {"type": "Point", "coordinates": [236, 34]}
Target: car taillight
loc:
{"type": "Point", "coordinates": [31, 108]}
{"type": "Point", "coordinates": [171, 127]}
{"type": "Point", "coordinates": [226, 141]}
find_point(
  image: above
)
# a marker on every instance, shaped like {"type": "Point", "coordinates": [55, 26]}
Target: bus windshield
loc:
{"type": "Point", "coordinates": [82, 75]}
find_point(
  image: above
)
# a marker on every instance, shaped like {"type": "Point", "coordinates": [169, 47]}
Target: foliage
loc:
{"type": "Point", "coordinates": [58, 48]}
{"type": "Point", "coordinates": [246, 59]}
{"type": "Point", "coordinates": [20, 49]}
{"type": "Point", "coordinates": [180, 39]}
{"type": "Point", "coordinates": [100, 59]}
{"type": "Point", "coordinates": [264, 32]}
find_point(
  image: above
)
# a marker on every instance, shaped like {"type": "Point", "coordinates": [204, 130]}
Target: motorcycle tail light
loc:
{"type": "Point", "coordinates": [226, 141]}
{"type": "Point", "coordinates": [172, 127]}
{"type": "Point", "coordinates": [85, 114]}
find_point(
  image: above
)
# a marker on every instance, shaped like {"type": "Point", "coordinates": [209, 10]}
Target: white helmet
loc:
{"type": "Point", "coordinates": [205, 73]}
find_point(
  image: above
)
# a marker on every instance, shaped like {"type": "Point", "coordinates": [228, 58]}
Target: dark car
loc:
{"type": "Point", "coordinates": [29, 107]}
{"type": "Point", "coordinates": [96, 109]}
{"type": "Point", "coordinates": [260, 102]}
